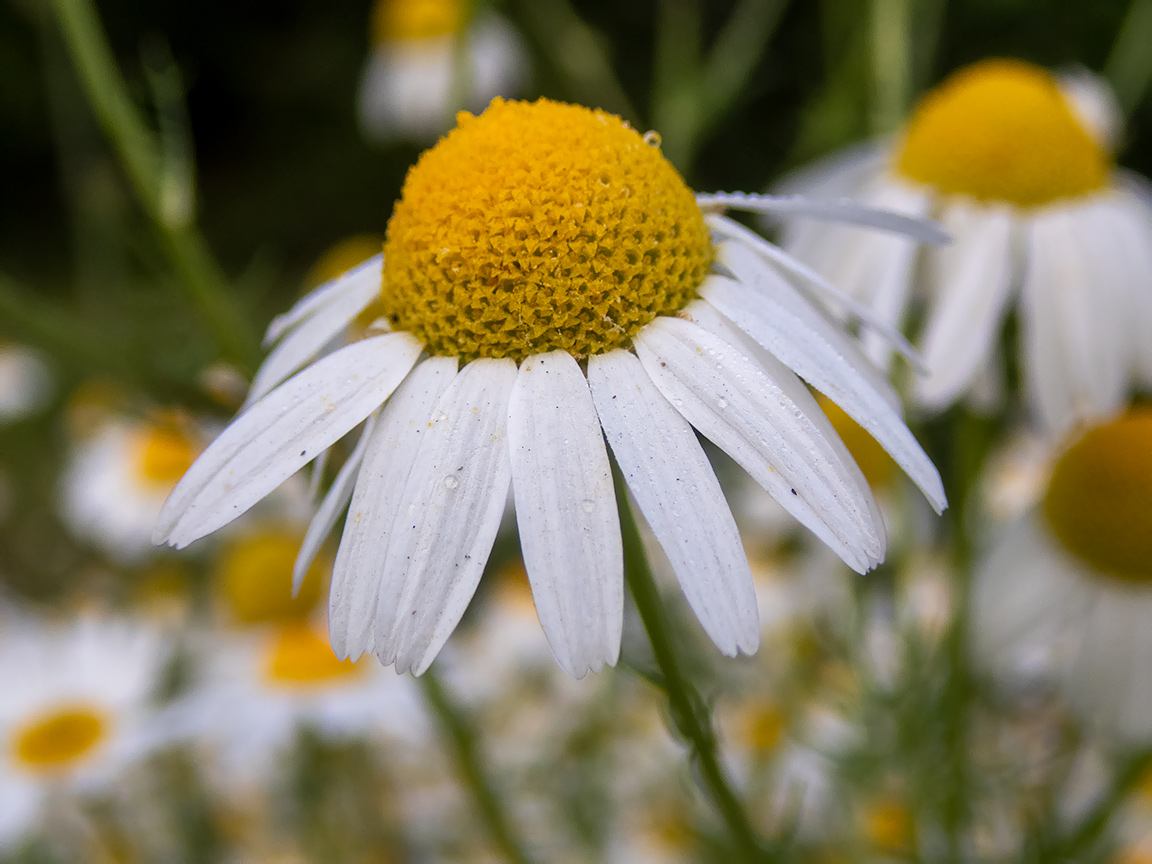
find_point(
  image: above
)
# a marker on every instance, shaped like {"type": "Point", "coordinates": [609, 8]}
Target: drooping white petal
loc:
{"type": "Point", "coordinates": [680, 497]}
{"type": "Point", "coordinates": [270, 442]}
{"type": "Point", "coordinates": [317, 330]}
{"type": "Point", "coordinates": [769, 423]}
{"type": "Point", "coordinates": [771, 311]}
{"type": "Point", "coordinates": [329, 510]}
{"type": "Point", "coordinates": [733, 230]}
{"type": "Point", "coordinates": [391, 453]}
{"type": "Point", "coordinates": [971, 279]}
{"type": "Point", "coordinates": [566, 512]}
{"type": "Point", "coordinates": [448, 517]}
{"type": "Point", "coordinates": [1129, 221]}
{"type": "Point", "coordinates": [843, 211]}
{"type": "Point", "coordinates": [354, 282]}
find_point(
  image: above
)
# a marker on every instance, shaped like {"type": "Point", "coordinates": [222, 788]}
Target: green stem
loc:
{"type": "Point", "coordinates": [140, 154]}
{"type": "Point", "coordinates": [1129, 66]}
{"type": "Point", "coordinates": [1089, 829]}
{"type": "Point", "coordinates": [891, 63]}
{"type": "Point", "coordinates": [688, 710]}
{"type": "Point", "coordinates": [461, 734]}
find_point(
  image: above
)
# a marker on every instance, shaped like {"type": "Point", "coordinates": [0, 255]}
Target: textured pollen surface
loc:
{"type": "Point", "coordinates": [536, 227]}
{"type": "Point", "coordinates": [1000, 130]}
{"type": "Point", "coordinates": [1099, 501]}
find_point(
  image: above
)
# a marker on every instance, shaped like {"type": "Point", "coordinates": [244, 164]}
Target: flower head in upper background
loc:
{"type": "Point", "coordinates": [533, 238]}
{"type": "Point", "coordinates": [1018, 165]}
{"type": "Point", "coordinates": [1067, 592]}
{"type": "Point", "coordinates": [431, 57]}
{"type": "Point", "coordinates": [75, 709]}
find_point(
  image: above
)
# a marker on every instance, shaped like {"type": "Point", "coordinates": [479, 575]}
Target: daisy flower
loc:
{"type": "Point", "coordinates": [533, 239]}
{"type": "Point", "coordinates": [1017, 165]}
{"type": "Point", "coordinates": [75, 710]}
{"type": "Point", "coordinates": [253, 576]}
{"type": "Point", "coordinates": [1067, 591]}
{"type": "Point", "coordinates": [430, 57]}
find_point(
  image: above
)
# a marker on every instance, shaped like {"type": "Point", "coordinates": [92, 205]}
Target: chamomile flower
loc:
{"type": "Point", "coordinates": [1018, 166]}
{"type": "Point", "coordinates": [430, 57]}
{"type": "Point", "coordinates": [531, 239]}
{"type": "Point", "coordinates": [1067, 592]}
{"type": "Point", "coordinates": [75, 710]}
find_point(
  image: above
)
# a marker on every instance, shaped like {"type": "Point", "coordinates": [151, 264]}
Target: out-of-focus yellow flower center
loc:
{"type": "Point", "coordinates": [416, 19]}
{"type": "Point", "coordinates": [300, 656]}
{"type": "Point", "coordinates": [1000, 130]}
{"type": "Point", "coordinates": [1099, 500]}
{"type": "Point", "coordinates": [255, 576]}
{"type": "Point", "coordinates": [874, 461]}
{"type": "Point", "coordinates": [761, 725]}
{"type": "Point", "coordinates": [58, 739]}
{"type": "Point", "coordinates": [888, 825]}
{"type": "Point", "coordinates": [163, 454]}
{"type": "Point", "coordinates": [536, 227]}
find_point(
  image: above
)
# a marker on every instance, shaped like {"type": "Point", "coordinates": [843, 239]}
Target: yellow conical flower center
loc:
{"type": "Point", "coordinates": [163, 455]}
{"type": "Point", "coordinates": [255, 578]}
{"type": "Point", "coordinates": [416, 19]}
{"type": "Point", "coordinates": [300, 656]}
{"type": "Point", "coordinates": [1000, 130]}
{"type": "Point", "coordinates": [536, 227]}
{"type": "Point", "coordinates": [59, 738]}
{"type": "Point", "coordinates": [1099, 500]}
{"type": "Point", "coordinates": [875, 463]}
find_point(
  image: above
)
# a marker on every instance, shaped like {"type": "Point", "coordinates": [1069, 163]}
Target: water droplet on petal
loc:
{"type": "Point", "coordinates": [652, 138]}
{"type": "Point", "coordinates": [451, 482]}
{"type": "Point", "coordinates": [588, 504]}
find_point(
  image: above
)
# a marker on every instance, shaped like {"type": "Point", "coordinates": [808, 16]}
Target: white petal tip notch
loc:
{"type": "Point", "coordinates": [844, 211]}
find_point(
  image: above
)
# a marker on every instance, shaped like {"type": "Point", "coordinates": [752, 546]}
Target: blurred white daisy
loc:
{"type": "Point", "coordinates": [75, 710]}
{"type": "Point", "coordinates": [1066, 593]}
{"type": "Point", "coordinates": [529, 239]}
{"type": "Point", "coordinates": [253, 576]}
{"type": "Point", "coordinates": [1017, 164]}
{"type": "Point", "coordinates": [25, 382]}
{"type": "Point", "coordinates": [430, 58]}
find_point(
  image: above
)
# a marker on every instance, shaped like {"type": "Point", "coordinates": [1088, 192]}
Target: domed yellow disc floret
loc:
{"type": "Point", "coordinates": [416, 19]}
{"type": "Point", "coordinates": [1000, 130]}
{"type": "Point", "coordinates": [536, 227]}
{"type": "Point", "coordinates": [1099, 500]}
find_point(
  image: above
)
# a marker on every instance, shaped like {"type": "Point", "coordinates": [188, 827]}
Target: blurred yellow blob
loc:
{"type": "Point", "coordinates": [342, 257]}
{"type": "Point", "coordinates": [1001, 130]}
{"type": "Point", "coordinates": [58, 739]}
{"type": "Point", "coordinates": [540, 226]}
{"type": "Point", "coordinates": [163, 454]}
{"type": "Point", "coordinates": [416, 19]}
{"type": "Point", "coordinates": [299, 655]}
{"type": "Point", "coordinates": [1099, 500]}
{"type": "Point", "coordinates": [887, 824]}
{"type": "Point", "coordinates": [513, 591]}
{"type": "Point", "coordinates": [255, 578]}
{"type": "Point", "coordinates": [875, 463]}
{"type": "Point", "coordinates": [761, 724]}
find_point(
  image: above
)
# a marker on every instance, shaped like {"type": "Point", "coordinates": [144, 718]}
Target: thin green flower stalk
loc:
{"type": "Point", "coordinates": [891, 63]}
{"type": "Point", "coordinates": [158, 174]}
{"type": "Point", "coordinates": [688, 710]}
{"type": "Point", "coordinates": [1129, 66]}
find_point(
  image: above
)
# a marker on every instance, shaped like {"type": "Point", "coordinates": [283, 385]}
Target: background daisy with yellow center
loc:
{"type": "Point", "coordinates": [1017, 165]}
{"type": "Point", "coordinates": [533, 239]}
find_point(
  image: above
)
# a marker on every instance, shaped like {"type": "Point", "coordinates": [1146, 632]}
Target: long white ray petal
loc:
{"type": "Point", "coordinates": [781, 438]}
{"type": "Point", "coordinates": [388, 460]}
{"type": "Point", "coordinates": [680, 497]}
{"type": "Point", "coordinates": [353, 282]}
{"type": "Point", "coordinates": [312, 334]}
{"type": "Point", "coordinates": [862, 312]}
{"type": "Point", "coordinates": [844, 211]}
{"type": "Point", "coordinates": [448, 517]}
{"type": "Point", "coordinates": [329, 510]}
{"type": "Point", "coordinates": [267, 444]}
{"type": "Point", "coordinates": [770, 310]}
{"type": "Point", "coordinates": [972, 278]}
{"type": "Point", "coordinates": [566, 512]}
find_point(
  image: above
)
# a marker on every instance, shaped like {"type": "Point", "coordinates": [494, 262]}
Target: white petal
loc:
{"type": "Point", "coordinates": [566, 512]}
{"type": "Point", "coordinates": [730, 229]}
{"type": "Point", "coordinates": [369, 273]}
{"type": "Point", "coordinates": [842, 211]}
{"type": "Point", "coordinates": [971, 280]}
{"type": "Point", "coordinates": [448, 517]}
{"type": "Point", "coordinates": [388, 461]}
{"type": "Point", "coordinates": [772, 427]}
{"type": "Point", "coordinates": [680, 497]}
{"type": "Point", "coordinates": [270, 442]}
{"type": "Point", "coordinates": [775, 315]}
{"type": "Point", "coordinates": [329, 510]}
{"type": "Point", "coordinates": [1131, 223]}
{"type": "Point", "coordinates": [316, 331]}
